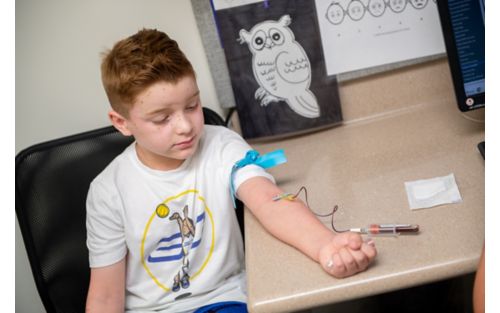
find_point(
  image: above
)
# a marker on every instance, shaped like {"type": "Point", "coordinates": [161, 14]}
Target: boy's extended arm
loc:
{"type": "Point", "coordinates": [107, 289]}
{"type": "Point", "coordinates": [341, 255]}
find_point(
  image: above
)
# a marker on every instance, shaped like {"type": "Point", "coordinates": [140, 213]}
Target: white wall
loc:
{"type": "Point", "coordinates": [58, 89]}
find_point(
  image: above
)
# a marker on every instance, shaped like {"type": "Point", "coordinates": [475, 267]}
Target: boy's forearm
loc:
{"type": "Point", "coordinates": [101, 305]}
{"type": "Point", "coordinates": [295, 224]}
{"type": "Point", "coordinates": [107, 289]}
{"type": "Point", "coordinates": [290, 221]}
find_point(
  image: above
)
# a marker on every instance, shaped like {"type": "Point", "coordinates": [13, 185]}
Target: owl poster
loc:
{"type": "Point", "coordinates": [276, 66]}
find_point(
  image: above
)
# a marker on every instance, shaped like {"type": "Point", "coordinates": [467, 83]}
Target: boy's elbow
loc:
{"type": "Point", "coordinates": [257, 193]}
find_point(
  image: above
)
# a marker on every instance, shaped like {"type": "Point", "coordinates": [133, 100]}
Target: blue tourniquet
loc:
{"type": "Point", "coordinates": [224, 307]}
{"type": "Point", "coordinates": [267, 160]}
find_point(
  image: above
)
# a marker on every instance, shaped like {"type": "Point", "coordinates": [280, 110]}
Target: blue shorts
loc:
{"type": "Point", "coordinates": [224, 307]}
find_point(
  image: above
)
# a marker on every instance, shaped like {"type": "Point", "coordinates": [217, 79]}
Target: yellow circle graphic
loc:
{"type": "Point", "coordinates": [163, 211]}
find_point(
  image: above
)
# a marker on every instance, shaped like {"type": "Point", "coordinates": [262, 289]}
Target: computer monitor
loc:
{"type": "Point", "coordinates": [462, 22]}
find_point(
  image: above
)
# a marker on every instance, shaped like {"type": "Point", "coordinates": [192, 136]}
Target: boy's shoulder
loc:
{"type": "Point", "coordinates": [218, 132]}
{"type": "Point", "coordinates": [217, 137]}
{"type": "Point", "coordinates": [118, 164]}
{"type": "Point", "coordinates": [214, 130]}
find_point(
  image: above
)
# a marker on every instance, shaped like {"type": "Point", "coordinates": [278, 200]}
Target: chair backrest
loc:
{"type": "Point", "coordinates": [52, 181]}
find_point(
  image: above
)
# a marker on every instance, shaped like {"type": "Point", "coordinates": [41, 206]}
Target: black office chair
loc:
{"type": "Point", "coordinates": [52, 180]}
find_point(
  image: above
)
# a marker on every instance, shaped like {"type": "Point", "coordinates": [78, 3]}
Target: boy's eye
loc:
{"type": "Point", "coordinates": [161, 120]}
{"type": "Point", "coordinates": [193, 106]}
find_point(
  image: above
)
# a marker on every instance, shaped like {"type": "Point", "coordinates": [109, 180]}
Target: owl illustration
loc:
{"type": "Point", "coordinates": [280, 66]}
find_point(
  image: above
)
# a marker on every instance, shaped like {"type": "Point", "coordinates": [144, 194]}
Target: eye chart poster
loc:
{"type": "Point", "coordinates": [359, 34]}
{"type": "Point", "coordinates": [276, 66]}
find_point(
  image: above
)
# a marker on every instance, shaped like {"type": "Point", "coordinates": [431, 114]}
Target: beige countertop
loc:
{"type": "Point", "coordinates": [362, 166]}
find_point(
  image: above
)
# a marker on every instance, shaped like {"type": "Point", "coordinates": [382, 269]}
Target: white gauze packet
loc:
{"type": "Point", "coordinates": [427, 193]}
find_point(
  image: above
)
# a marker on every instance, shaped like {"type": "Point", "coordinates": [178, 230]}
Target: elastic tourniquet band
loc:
{"type": "Point", "coordinates": [267, 160]}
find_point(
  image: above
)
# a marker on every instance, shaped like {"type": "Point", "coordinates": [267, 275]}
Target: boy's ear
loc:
{"type": "Point", "coordinates": [119, 122]}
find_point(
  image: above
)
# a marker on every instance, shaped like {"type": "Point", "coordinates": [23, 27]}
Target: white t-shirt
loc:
{"type": "Point", "coordinates": [177, 229]}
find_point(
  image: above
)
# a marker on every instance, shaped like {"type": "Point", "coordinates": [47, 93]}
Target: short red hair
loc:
{"type": "Point", "coordinates": [137, 62]}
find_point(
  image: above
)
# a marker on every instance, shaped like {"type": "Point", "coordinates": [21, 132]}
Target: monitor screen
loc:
{"type": "Point", "coordinates": [462, 23]}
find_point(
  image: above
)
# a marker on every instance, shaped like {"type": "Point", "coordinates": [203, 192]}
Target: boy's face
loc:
{"type": "Point", "coordinates": [166, 121]}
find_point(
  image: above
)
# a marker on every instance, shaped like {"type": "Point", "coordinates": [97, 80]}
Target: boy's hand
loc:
{"type": "Point", "coordinates": [346, 254]}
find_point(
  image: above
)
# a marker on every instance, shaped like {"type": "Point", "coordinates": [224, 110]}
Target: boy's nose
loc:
{"type": "Point", "coordinates": [182, 124]}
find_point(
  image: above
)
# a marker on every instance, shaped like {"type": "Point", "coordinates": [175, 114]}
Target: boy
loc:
{"type": "Point", "coordinates": [162, 233]}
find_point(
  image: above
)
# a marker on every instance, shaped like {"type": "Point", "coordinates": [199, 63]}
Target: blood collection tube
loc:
{"type": "Point", "coordinates": [386, 229]}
